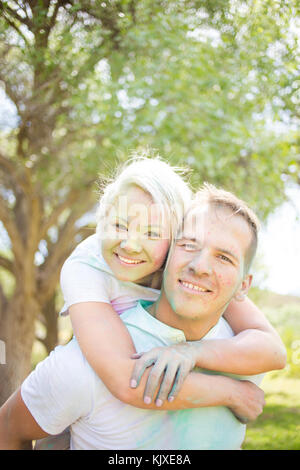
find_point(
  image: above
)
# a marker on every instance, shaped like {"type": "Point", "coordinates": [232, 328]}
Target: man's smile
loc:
{"type": "Point", "coordinates": [193, 287]}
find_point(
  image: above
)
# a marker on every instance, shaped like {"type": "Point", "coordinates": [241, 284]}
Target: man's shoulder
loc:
{"type": "Point", "coordinates": [60, 390]}
{"type": "Point", "coordinates": [224, 330]}
{"type": "Point", "coordinates": [68, 363]}
{"type": "Point", "coordinates": [220, 330]}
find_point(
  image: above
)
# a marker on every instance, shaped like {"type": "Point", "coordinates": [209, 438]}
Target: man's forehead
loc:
{"type": "Point", "coordinates": [194, 219]}
{"type": "Point", "coordinates": [201, 218]}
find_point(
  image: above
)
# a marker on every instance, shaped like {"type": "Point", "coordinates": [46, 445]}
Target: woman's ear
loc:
{"type": "Point", "coordinates": [243, 290]}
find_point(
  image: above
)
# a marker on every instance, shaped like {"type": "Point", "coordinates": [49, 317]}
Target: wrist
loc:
{"type": "Point", "coordinates": [195, 352]}
{"type": "Point", "coordinates": [230, 392]}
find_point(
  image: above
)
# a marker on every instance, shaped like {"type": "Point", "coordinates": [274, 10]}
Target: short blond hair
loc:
{"type": "Point", "coordinates": [164, 183]}
{"type": "Point", "coordinates": [219, 198]}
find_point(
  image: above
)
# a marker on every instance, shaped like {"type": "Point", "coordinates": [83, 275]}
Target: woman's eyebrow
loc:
{"type": "Point", "coordinates": [122, 219]}
{"type": "Point", "coordinates": [156, 227]}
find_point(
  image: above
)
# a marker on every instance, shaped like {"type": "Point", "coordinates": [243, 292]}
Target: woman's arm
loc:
{"type": "Point", "coordinates": [107, 345]}
{"type": "Point", "coordinates": [255, 349]}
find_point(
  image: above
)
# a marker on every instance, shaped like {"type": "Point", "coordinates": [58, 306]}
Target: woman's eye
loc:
{"type": "Point", "coordinates": [153, 234]}
{"type": "Point", "coordinates": [120, 226]}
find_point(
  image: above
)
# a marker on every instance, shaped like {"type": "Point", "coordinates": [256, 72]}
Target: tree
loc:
{"type": "Point", "coordinates": [91, 80]}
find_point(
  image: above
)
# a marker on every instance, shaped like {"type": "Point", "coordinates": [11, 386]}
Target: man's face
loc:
{"type": "Point", "coordinates": [206, 267]}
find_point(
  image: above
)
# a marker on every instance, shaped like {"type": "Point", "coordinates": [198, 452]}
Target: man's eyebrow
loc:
{"type": "Point", "coordinates": [184, 236]}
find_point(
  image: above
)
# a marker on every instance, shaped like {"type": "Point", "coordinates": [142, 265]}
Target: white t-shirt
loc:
{"type": "Point", "coordinates": [64, 390]}
{"type": "Point", "coordinates": [86, 277]}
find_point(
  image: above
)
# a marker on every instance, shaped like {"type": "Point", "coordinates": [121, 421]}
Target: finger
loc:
{"type": "Point", "coordinates": [153, 380]}
{"type": "Point", "coordinates": [242, 419]}
{"type": "Point", "coordinates": [166, 384]}
{"type": "Point", "coordinates": [136, 355]}
{"type": "Point", "coordinates": [139, 369]}
{"type": "Point", "coordinates": [180, 377]}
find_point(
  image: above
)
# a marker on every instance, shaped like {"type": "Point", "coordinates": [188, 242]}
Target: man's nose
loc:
{"type": "Point", "coordinates": [201, 265]}
{"type": "Point", "coordinates": [131, 245]}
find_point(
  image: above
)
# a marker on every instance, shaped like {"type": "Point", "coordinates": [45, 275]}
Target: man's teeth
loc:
{"type": "Point", "coordinates": [129, 261]}
{"type": "Point", "coordinates": [192, 286]}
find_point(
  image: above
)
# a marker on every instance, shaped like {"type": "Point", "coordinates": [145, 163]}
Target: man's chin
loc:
{"type": "Point", "coordinates": [184, 312]}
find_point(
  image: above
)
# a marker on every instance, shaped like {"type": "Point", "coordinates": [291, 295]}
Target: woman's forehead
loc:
{"type": "Point", "coordinates": [147, 213]}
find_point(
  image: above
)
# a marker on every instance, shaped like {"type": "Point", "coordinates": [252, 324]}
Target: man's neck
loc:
{"type": "Point", "coordinates": [193, 329]}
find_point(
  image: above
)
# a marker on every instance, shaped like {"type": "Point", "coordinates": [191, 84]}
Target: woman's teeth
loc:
{"type": "Point", "coordinates": [129, 261]}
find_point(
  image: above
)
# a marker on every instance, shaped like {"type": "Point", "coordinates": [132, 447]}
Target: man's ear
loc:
{"type": "Point", "coordinates": [243, 290]}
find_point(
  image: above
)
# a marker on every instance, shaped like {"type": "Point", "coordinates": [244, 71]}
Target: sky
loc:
{"type": "Point", "coordinates": [279, 247]}
{"type": "Point", "coordinates": [279, 241]}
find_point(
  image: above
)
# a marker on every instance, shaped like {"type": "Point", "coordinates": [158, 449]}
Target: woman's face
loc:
{"type": "Point", "coordinates": [136, 236]}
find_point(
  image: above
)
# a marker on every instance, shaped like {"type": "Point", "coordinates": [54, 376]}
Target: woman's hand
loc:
{"type": "Point", "coordinates": [170, 364]}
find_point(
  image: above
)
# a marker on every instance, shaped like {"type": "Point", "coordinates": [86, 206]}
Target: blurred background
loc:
{"type": "Point", "coordinates": [211, 85]}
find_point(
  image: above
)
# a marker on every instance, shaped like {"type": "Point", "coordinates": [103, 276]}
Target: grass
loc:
{"type": "Point", "coordinates": [278, 428]}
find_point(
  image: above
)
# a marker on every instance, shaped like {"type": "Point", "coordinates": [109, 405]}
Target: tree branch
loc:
{"type": "Point", "coordinates": [23, 8]}
{"type": "Point", "coordinates": [132, 9]}
{"type": "Point", "coordinates": [54, 15]}
{"type": "Point", "coordinates": [3, 301]}
{"type": "Point", "coordinates": [9, 91]}
{"type": "Point", "coordinates": [34, 224]}
{"type": "Point", "coordinates": [15, 27]}
{"type": "Point", "coordinates": [7, 264]}
{"type": "Point", "coordinates": [49, 272]}
{"type": "Point", "coordinates": [6, 164]}
{"type": "Point", "coordinates": [15, 15]}
{"type": "Point", "coordinates": [12, 230]}
{"type": "Point", "coordinates": [73, 195]}
{"type": "Point", "coordinates": [108, 20]}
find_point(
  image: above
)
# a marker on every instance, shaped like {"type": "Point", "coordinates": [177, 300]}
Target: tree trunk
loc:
{"type": "Point", "coordinates": [51, 320]}
{"type": "Point", "coordinates": [17, 330]}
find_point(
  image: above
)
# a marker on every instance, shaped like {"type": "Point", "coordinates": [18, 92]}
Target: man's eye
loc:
{"type": "Point", "coordinates": [225, 258]}
{"type": "Point", "coordinates": [188, 246]}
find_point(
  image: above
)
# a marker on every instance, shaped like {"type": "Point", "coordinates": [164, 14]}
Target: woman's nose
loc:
{"type": "Point", "coordinates": [131, 245]}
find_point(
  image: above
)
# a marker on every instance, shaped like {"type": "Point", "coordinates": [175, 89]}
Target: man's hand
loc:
{"type": "Point", "coordinates": [248, 402]}
{"type": "Point", "coordinates": [171, 366]}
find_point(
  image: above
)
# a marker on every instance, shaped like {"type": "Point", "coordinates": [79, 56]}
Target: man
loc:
{"type": "Point", "coordinates": [207, 268]}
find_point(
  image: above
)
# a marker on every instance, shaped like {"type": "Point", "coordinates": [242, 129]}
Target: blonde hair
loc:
{"type": "Point", "coordinates": [163, 182]}
{"type": "Point", "coordinates": [216, 197]}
